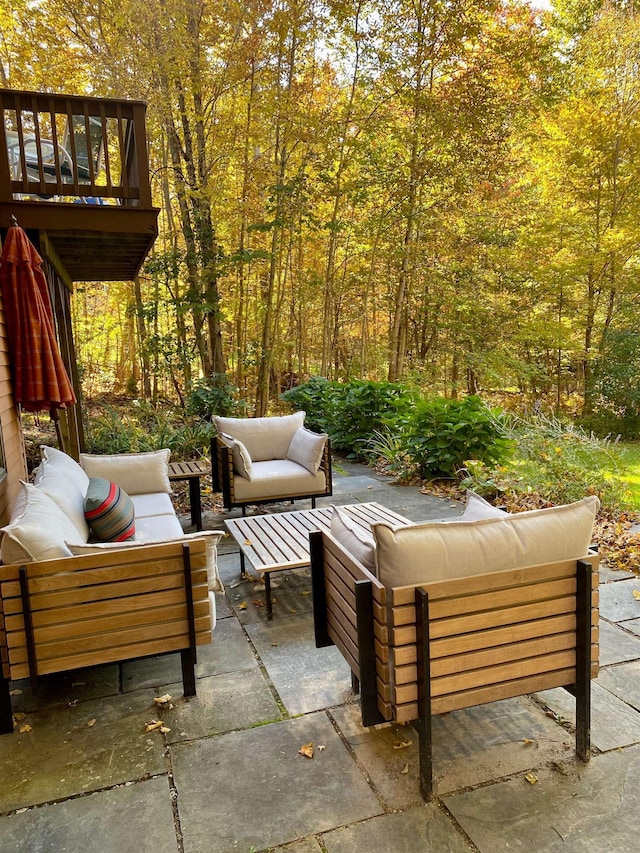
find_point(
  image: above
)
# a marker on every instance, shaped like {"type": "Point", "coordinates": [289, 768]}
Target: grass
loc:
{"type": "Point", "coordinates": [628, 457]}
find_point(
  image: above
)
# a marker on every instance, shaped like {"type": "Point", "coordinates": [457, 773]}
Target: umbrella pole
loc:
{"type": "Point", "coordinates": [55, 417]}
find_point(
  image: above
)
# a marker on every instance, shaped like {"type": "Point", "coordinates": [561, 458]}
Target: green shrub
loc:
{"type": "Point", "coordinates": [351, 412]}
{"type": "Point", "coordinates": [214, 395]}
{"type": "Point", "coordinates": [441, 435]}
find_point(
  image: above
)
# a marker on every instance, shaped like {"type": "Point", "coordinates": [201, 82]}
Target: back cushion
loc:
{"type": "Point", "coordinates": [62, 478]}
{"type": "Point", "coordinates": [264, 438]}
{"type": "Point", "coordinates": [436, 551]}
{"type": "Point", "coordinates": [136, 473]}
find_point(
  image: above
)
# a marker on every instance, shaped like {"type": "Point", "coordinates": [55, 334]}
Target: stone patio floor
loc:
{"type": "Point", "coordinates": [228, 776]}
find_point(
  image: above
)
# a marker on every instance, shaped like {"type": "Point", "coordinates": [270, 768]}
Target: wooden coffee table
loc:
{"type": "Point", "coordinates": [273, 543]}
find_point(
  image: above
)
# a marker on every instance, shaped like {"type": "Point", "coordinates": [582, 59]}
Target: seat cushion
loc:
{"type": "Point", "coordinates": [38, 530]}
{"type": "Point", "coordinates": [279, 479]}
{"type": "Point", "coordinates": [437, 551]}
{"type": "Point", "coordinates": [154, 528]}
{"type": "Point", "coordinates": [109, 511]}
{"type": "Point", "coordinates": [136, 473]}
{"type": "Point", "coordinates": [152, 504]}
{"type": "Point", "coordinates": [264, 438]}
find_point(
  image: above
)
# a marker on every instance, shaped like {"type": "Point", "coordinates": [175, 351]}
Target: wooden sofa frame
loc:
{"type": "Point", "coordinates": [223, 477]}
{"type": "Point", "coordinates": [418, 651]}
{"type": "Point", "coordinates": [59, 615]}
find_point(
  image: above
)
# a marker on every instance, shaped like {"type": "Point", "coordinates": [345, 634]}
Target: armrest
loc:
{"type": "Point", "coordinates": [222, 469]}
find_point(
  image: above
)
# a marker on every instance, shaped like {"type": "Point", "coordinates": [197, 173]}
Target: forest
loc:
{"type": "Point", "coordinates": [443, 192]}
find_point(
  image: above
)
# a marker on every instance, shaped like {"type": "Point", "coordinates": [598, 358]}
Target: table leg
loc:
{"type": "Point", "coordinates": [267, 595]}
{"type": "Point", "coordinates": [243, 570]}
{"type": "Point", "coordinates": [194, 499]}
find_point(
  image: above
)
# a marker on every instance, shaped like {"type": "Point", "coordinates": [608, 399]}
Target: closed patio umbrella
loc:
{"type": "Point", "coordinates": [40, 379]}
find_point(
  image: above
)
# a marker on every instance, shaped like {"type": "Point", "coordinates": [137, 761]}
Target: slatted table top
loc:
{"type": "Point", "coordinates": [281, 540]}
{"type": "Point", "coordinates": [185, 470]}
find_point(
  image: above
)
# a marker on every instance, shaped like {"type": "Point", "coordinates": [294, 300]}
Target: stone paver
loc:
{"type": "Point", "coordinates": [623, 681]}
{"type": "Point", "coordinates": [617, 644]}
{"type": "Point", "coordinates": [225, 702]}
{"type": "Point", "coordinates": [252, 788]}
{"type": "Point", "coordinates": [425, 829]}
{"type": "Point", "coordinates": [591, 807]}
{"type": "Point", "coordinates": [306, 678]}
{"type": "Point", "coordinates": [614, 724]}
{"type": "Point", "coordinates": [617, 601]}
{"type": "Point", "coordinates": [74, 750]}
{"type": "Point", "coordinates": [107, 821]}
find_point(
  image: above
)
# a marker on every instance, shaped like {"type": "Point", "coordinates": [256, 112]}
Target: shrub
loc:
{"type": "Point", "coordinates": [440, 435]}
{"type": "Point", "coordinates": [351, 412]}
{"type": "Point", "coordinates": [214, 395]}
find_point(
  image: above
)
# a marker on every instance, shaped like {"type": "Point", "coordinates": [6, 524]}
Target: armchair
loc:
{"type": "Point", "coordinates": [262, 460]}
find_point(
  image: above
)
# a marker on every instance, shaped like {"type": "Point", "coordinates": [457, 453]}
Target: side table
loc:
{"type": "Point", "coordinates": [191, 471]}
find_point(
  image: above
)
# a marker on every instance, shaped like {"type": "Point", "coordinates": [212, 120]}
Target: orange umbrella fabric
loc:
{"type": "Point", "coordinates": [40, 379]}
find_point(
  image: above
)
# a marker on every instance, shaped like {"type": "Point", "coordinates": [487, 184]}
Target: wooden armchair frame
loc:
{"type": "Point", "coordinates": [418, 651]}
{"type": "Point", "coordinates": [59, 615]}
{"type": "Point", "coordinates": [223, 476]}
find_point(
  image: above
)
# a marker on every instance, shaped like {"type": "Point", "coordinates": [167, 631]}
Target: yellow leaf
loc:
{"type": "Point", "coordinates": [306, 750]}
{"type": "Point", "coordinates": [242, 605]}
{"type": "Point", "coordinates": [19, 715]}
{"type": "Point", "coordinates": [164, 729]}
{"type": "Point", "coordinates": [164, 699]}
{"type": "Point", "coordinates": [530, 742]}
{"type": "Point", "coordinates": [248, 542]}
{"type": "Point", "coordinates": [152, 725]}
{"type": "Point", "coordinates": [402, 744]}
{"type": "Point", "coordinates": [25, 728]}
{"type": "Point", "coordinates": [531, 778]}
{"type": "Point", "coordinates": [91, 724]}
{"type": "Point", "coordinates": [405, 769]}
{"type": "Point", "coordinates": [636, 594]}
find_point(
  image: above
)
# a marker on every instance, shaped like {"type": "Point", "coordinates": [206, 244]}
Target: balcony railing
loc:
{"type": "Point", "coordinates": [73, 149]}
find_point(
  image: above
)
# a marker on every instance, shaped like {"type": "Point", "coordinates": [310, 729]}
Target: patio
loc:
{"type": "Point", "coordinates": [228, 776]}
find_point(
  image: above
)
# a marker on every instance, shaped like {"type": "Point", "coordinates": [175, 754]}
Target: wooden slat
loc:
{"type": "Point", "coordinates": [494, 580]}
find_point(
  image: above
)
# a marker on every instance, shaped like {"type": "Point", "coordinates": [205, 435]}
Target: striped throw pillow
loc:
{"type": "Point", "coordinates": [109, 511]}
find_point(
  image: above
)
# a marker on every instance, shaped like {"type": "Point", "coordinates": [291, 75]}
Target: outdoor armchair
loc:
{"type": "Point", "coordinates": [506, 607]}
{"type": "Point", "coordinates": [264, 460]}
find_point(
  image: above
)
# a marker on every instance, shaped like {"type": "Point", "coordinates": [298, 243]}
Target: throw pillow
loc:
{"type": "Point", "coordinates": [477, 508]}
{"type": "Point", "coordinates": [38, 530]}
{"type": "Point", "coordinates": [241, 458]}
{"type": "Point", "coordinates": [136, 473]}
{"type": "Point", "coordinates": [357, 541]}
{"type": "Point", "coordinates": [306, 449]}
{"type": "Point", "coordinates": [109, 511]}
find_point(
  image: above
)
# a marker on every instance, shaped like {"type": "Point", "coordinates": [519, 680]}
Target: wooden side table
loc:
{"type": "Point", "coordinates": [191, 471]}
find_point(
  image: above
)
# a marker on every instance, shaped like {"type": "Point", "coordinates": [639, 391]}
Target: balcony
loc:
{"type": "Point", "coordinates": [76, 170]}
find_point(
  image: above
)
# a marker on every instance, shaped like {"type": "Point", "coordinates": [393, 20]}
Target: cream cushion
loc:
{"type": "Point", "coordinates": [211, 539]}
{"type": "Point", "coordinates": [264, 438]}
{"type": "Point", "coordinates": [38, 530]}
{"type": "Point", "coordinates": [60, 477]}
{"type": "Point", "coordinates": [357, 541]}
{"type": "Point", "coordinates": [241, 459]}
{"type": "Point", "coordinates": [476, 508]}
{"type": "Point", "coordinates": [306, 449]}
{"type": "Point", "coordinates": [278, 479]}
{"type": "Point", "coordinates": [151, 504]}
{"type": "Point", "coordinates": [136, 473]}
{"type": "Point", "coordinates": [435, 551]}
{"type": "Point", "coordinates": [150, 528]}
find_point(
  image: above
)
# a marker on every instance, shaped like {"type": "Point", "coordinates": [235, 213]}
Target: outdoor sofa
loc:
{"type": "Point", "coordinates": [68, 602]}
{"type": "Point", "coordinates": [265, 460]}
{"type": "Point", "coordinates": [440, 616]}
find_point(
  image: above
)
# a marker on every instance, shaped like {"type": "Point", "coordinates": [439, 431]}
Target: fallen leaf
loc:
{"type": "Point", "coordinates": [405, 769]}
{"type": "Point", "coordinates": [164, 699]}
{"type": "Point", "coordinates": [25, 728]}
{"type": "Point", "coordinates": [164, 729]}
{"type": "Point", "coordinates": [19, 715]}
{"type": "Point", "coordinates": [529, 742]}
{"type": "Point", "coordinates": [636, 594]}
{"type": "Point", "coordinates": [258, 603]}
{"type": "Point", "coordinates": [15, 692]}
{"type": "Point", "coordinates": [531, 778]}
{"type": "Point", "coordinates": [402, 744]}
{"type": "Point", "coordinates": [306, 750]}
{"type": "Point", "coordinates": [152, 725]}
{"type": "Point", "coordinates": [91, 724]}
{"type": "Point", "coordinates": [248, 542]}
{"type": "Point", "coordinates": [242, 605]}
{"type": "Point", "coordinates": [274, 644]}
{"type": "Point", "coordinates": [306, 592]}
{"type": "Point", "coordinates": [321, 747]}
